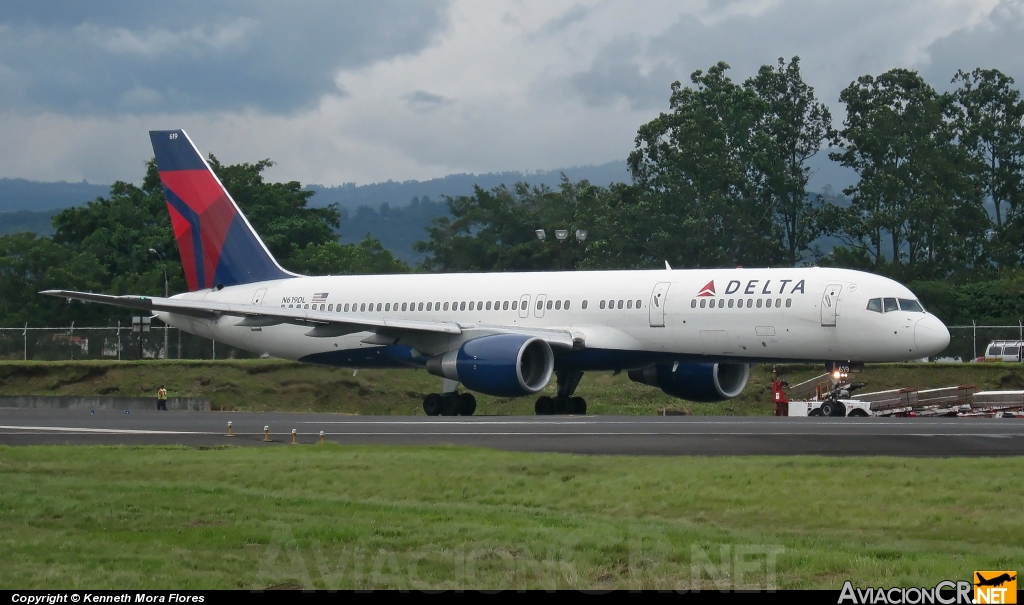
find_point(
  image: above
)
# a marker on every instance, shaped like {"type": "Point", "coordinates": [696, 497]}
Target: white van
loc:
{"type": "Point", "coordinates": [1003, 350]}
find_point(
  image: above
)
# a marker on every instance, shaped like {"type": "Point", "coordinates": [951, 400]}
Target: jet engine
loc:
{"type": "Point", "coordinates": [706, 382]}
{"type": "Point", "coordinates": [504, 365]}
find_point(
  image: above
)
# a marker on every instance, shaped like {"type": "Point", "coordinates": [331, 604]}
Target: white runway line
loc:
{"type": "Point", "coordinates": [66, 429]}
{"type": "Point", "coordinates": [648, 434]}
{"type": "Point", "coordinates": [541, 423]}
{"type": "Point", "coordinates": [27, 430]}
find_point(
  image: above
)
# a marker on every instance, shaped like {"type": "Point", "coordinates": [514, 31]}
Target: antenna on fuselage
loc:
{"type": "Point", "coordinates": [667, 266]}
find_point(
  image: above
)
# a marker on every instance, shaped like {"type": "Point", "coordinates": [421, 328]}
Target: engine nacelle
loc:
{"type": "Point", "coordinates": [695, 381]}
{"type": "Point", "coordinates": [504, 365]}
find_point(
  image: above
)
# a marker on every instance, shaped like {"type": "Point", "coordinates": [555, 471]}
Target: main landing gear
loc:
{"type": "Point", "coordinates": [449, 404]}
{"type": "Point", "coordinates": [563, 402]}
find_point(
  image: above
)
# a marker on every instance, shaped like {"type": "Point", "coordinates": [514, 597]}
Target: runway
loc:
{"type": "Point", "coordinates": [632, 435]}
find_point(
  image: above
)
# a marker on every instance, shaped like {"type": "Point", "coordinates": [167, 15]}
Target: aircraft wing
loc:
{"type": "Point", "coordinates": [323, 324]}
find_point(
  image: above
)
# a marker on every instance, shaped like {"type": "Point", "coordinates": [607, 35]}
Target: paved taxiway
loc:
{"type": "Point", "coordinates": [652, 435]}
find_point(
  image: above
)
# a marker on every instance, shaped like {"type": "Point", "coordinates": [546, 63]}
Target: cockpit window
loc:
{"type": "Point", "coordinates": [884, 305]}
{"type": "Point", "coordinates": [907, 304]}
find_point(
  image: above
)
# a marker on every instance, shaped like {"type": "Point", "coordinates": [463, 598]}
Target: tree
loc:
{"type": "Point", "coordinates": [331, 258]}
{"type": "Point", "coordinates": [30, 264]}
{"type": "Point", "coordinates": [915, 212]}
{"type": "Point", "coordinates": [495, 230]}
{"type": "Point", "coordinates": [990, 128]}
{"type": "Point", "coordinates": [791, 128]}
{"type": "Point", "coordinates": [699, 202]}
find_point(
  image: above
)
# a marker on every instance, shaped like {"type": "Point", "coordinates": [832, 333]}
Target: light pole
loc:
{"type": "Point", "coordinates": [562, 235]}
{"type": "Point", "coordinates": [163, 264]}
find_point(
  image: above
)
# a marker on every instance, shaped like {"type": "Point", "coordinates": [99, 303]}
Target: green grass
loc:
{"type": "Point", "coordinates": [327, 516]}
{"type": "Point", "coordinates": [266, 384]}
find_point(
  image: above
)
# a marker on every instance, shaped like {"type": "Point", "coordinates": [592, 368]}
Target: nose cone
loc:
{"type": "Point", "coordinates": [930, 336]}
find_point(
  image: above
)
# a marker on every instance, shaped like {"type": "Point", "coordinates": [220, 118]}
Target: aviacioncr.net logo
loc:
{"type": "Point", "coordinates": [946, 592]}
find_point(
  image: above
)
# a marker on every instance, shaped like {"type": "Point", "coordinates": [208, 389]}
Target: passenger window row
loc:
{"type": "Point", "coordinates": [557, 305]}
{"type": "Point", "coordinates": [479, 305]}
{"type": "Point", "coordinates": [739, 303]}
{"type": "Point", "coordinates": [885, 305]}
{"type": "Point", "coordinates": [611, 304]}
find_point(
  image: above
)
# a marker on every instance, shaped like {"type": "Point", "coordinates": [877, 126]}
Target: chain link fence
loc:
{"type": "Point", "coordinates": [110, 342]}
{"type": "Point", "coordinates": [968, 342]}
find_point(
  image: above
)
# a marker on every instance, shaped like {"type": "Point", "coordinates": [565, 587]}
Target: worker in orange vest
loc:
{"type": "Point", "coordinates": [161, 398]}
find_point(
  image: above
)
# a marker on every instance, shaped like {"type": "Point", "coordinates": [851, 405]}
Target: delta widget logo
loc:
{"type": "Point", "coordinates": [708, 290]}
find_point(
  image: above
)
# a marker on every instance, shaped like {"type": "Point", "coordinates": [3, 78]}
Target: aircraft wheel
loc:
{"type": "Point", "coordinates": [578, 405]}
{"type": "Point", "coordinates": [828, 409]}
{"type": "Point", "coordinates": [544, 406]}
{"type": "Point", "coordinates": [840, 409]}
{"type": "Point", "coordinates": [432, 404]}
{"type": "Point", "coordinates": [560, 406]}
{"type": "Point", "coordinates": [450, 404]}
{"type": "Point", "coordinates": [857, 414]}
{"type": "Point", "coordinates": [816, 412]}
{"type": "Point", "coordinates": [467, 404]}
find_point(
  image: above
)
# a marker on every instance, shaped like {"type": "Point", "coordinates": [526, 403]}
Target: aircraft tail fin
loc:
{"type": "Point", "coordinates": [217, 244]}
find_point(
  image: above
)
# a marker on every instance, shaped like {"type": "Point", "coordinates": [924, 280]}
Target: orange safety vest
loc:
{"type": "Point", "coordinates": [161, 394]}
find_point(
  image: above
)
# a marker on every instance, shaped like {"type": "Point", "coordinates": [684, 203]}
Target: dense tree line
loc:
{"type": "Point", "coordinates": [105, 246]}
{"type": "Point", "coordinates": [720, 179]}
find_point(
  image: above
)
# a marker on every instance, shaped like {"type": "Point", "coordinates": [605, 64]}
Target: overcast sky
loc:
{"type": "Point", "coordinates": [338, 92]}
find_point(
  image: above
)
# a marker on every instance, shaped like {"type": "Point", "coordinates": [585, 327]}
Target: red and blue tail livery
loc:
{"type": "Point", "coordinates": [218, 246]}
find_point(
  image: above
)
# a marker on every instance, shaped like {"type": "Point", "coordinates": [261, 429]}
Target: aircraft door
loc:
{"type": "Point", "coordinates": [830, 304]}
{"type": "Point", "coordinates": [524, 306]}
{"type": "Point", "coordinates": [657, 305]}
{"type": "Point", "coordinates": [257, 299]}
{"type": "Point", "coordinates": [541, 299]}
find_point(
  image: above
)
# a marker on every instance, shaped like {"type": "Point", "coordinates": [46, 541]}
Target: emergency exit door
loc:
{"type": "Point", "coordinates": [657, 305]}
{"type": "Point", "coordinates": [829, 304]}
{"type": "Point", "coordinates": [524, 306]}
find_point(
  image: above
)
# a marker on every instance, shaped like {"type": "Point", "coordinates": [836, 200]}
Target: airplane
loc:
{"type": "Point", "coordinates": [995, 581]}
{"type": "Point", "coordinates": [691, 333]}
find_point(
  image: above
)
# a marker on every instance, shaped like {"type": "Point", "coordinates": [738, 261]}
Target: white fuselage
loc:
{"type": "Point", "coordinates": [712, 315]}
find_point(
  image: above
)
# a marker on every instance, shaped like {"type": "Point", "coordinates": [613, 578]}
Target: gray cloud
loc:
{"type": "Point", "coordinates": [996, 43]}
{"type": "Point", "coordinates": [575, 14]}
{"type": "Point", "coordinates": [837, 42]}
{"type": "Point", "coordinates": [432, 89]}
{"type": "Point", "coordinates": [422, 100]}
{"type": "Point", "coordinates": [111, 57]}
{"type": "Point", "coordinates": [616, 73]}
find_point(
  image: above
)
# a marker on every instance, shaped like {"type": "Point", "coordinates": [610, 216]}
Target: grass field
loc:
{"type": "Point", "coordinates": [328, 516]}
{"type": "Point", "coordinates": [267, 384]}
